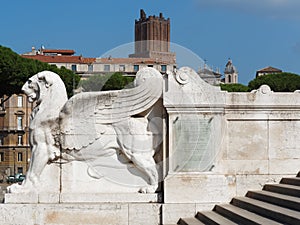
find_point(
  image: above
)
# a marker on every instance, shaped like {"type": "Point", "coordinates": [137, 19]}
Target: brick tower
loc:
{"type": "Point", "coordinates": [152, 38]}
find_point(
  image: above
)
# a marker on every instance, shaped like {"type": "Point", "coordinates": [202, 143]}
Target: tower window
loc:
{"type": "Point", "coordinates": [229, 78]}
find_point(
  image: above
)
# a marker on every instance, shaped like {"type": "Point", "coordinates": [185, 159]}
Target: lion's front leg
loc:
{"type": "Point", "coordinates": [146, 163]}
{"type": "Point", "coordinates": [39, 159]}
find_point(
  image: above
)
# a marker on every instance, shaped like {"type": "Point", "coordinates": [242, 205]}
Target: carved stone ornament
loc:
{"type": "Point", "coordinates": [181, 77]}
{"type": "Point", "coordinates": [91, 125]}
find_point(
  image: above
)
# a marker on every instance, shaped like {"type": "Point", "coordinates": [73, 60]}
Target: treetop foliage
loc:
{"type": "Point", "coordinates": [115, 81]}
{"type": "Point", "coordinates": [15, 71]}
{"type": "Point", "coordinates": [234, 87]}
{"type": "Point", "coordinates": [278, 82]}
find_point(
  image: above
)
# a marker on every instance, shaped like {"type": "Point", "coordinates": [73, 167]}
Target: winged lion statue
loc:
{"type": "Point", "coordinates": [91, 125]}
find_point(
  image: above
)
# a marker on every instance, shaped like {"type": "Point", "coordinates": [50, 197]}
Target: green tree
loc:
{"type": "Point", "coordinates": [15, 71]}
{"type": "Point", "coordinates": [234, 87]}
{"type": "Point", "coordinates": [115, 81]}
{"type": "Point", "coordinates": [280, 82]}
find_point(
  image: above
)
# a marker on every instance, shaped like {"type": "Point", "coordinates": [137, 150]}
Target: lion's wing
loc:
{"type": "Point", "coordinates": [85, 116]}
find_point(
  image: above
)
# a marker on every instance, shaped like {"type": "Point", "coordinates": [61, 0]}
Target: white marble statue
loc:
{"type": "Point", "coordinates": [91, 125]}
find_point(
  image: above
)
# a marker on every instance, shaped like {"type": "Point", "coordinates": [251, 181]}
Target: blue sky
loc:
{"type": "Point", "coordinates": [253, 33]}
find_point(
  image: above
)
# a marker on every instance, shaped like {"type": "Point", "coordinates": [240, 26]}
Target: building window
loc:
{"type": "Point", "coordinates": [20, 156]}
{"type": "Point", "coordinates": [163, 68]}
{"type": "Point", "coordinates": [74, 68]}
{"type": "Point", "coordinates": [1, 140]}
{"type": "Point", "coordinates": [1, 156]}
{"type": "Point", "coordinates": [136, 68]}
{"type": "Point", "coordinates": [107, 68]}
{"type": "Point", "coordinates": [20, 101]}
{"type": "Point", "coordinates": [122, 68]}
{"type": "Point", "coordinates": [20, 170]}
{"type": "Point", "coordinates": [150, 65]}
{"type": "Point", "coordinates": [20, 140]}
{"type": "Point", "coordinates": [90, 68]}
{"type": "Point", "coordinates": [229, 78]}
{"type": "Point", "coordinates": [19, 122]}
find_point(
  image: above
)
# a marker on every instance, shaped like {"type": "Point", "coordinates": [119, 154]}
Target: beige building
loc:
{"type": "Point", "coordinates": [14, 130]}
{"type": "Point", "coordinates": [267, 70]}
{"type": "Point", "coordinates": [87, 67]}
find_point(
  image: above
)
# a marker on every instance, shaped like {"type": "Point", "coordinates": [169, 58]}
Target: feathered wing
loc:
{"type": "Point", "coordinates": [85, 116]}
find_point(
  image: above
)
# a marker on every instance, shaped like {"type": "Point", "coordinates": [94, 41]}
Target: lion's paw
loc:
{"type": "Point", "coordinates": [17, 188]}
{"type": "Point", "coordinates": [25, 187]}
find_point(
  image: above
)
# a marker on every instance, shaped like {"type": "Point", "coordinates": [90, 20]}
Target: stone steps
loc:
{"type": "Point", "coordinates": [211, 217]}
{"type": "Point", "coordinates": [291, 181]}
{"type": "Point", "coordinates": [267, 210]}
{"type": "Point", "coordinates": [189, 221]}
{"type": "Point", "coordinates": [286, 201]}
{"type": "Point", "coordinates": [275, 204]}
{"type": "Point", "coordinates": [285, 189]}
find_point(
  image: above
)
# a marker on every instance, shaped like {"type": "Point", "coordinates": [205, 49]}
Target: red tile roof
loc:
{"type": "Point", "coordinates": [61, 59]}
{"type": "Point", "coordinates": [130, 61]}
{"type": "Point", "coordinates": [59, 51]}
{"type": "Point", "coordinates": [270, 70]}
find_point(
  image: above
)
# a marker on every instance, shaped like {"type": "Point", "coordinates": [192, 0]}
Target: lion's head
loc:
{"type": "Point", "coordinates": [41, 85]}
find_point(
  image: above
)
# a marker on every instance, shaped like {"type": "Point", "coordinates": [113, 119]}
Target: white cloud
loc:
{"type": "Point", "coordinates": [270, 8]}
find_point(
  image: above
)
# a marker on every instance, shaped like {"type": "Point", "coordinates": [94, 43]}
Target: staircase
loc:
{"type": "Point", "coordinates": [275, 204]}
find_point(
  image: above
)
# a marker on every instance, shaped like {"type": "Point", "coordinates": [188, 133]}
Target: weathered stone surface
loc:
{"type": "Point", "coordinates": [146, 214]}
{"type": "Point", "coordinates": [109, 197]}
{"type": "Point", "coordinates": [246, 166]}
{"type": "Point", "coordinates": [199, 188]}
{"type": "Point", "coordinates": [68, 214]}
{"type": "Point", "coordinates": [247, 140]}
{"type": "Point", "coordinates": [249, 182]}
{"type": "Point", "coordinates": [172, 212]}
{"type": "Point", "coordinates": [284, 139]}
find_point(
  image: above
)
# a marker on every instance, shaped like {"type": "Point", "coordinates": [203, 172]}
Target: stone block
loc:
{"type": "Point", "coordinates": [109, 197]}
{"type": "Point", "coordinates": [284, 166]}
{"type": "Point", "coordinates": [73, 214]}
{"type": "Point", "coordinates": [29, 197]}
{"type": "Point", "coordinates": [146, 214]}
{"type": "Point", "coordinates": [246, 182]}
{"type": "Point", "coordinates": [171, 213]}
{"type": "Point", "coordinates": [199, 188]}
{"type": "Point", "coordinates": [205, 206]}
{"type": "Point", "coordinates": [247, 140]}
{"type": "Point", "coordinates": [243, 167]}
{"type": "Point", "coordinates": [284, 139]}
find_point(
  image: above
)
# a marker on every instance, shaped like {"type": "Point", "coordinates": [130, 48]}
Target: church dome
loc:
{"type": "Point", "coordinates": [230, 68]}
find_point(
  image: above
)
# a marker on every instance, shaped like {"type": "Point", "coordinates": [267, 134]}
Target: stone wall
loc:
{"type": "Point", "coordinates": [228, 143]}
